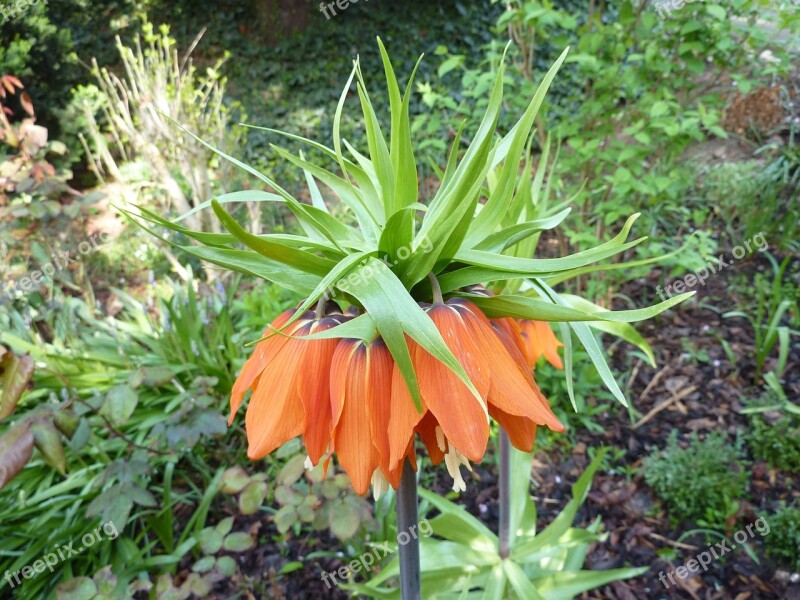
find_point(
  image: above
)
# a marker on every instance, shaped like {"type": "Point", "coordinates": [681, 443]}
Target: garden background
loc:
{"type": "Point", "coordinates": [118, 350]}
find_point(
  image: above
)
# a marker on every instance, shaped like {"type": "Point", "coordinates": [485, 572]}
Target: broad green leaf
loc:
{"type": "Point", "coordinates": [519, 581]}
{"type": "Point", "coordinates": [621, 330]}
{"type": "Point", "coordinates": [396, 315]}
{"type": "Point", "coordinates": [273, 249]}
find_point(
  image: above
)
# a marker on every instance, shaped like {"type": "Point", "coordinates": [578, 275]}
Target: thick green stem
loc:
{"type": "Point", "coordinates": [504, 484]}
{"type": "Point", "coordinates": [410, 588]}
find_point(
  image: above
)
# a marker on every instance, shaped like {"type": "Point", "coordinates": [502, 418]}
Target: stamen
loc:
{"type": "Point", "coordinates": [440, 439]}
{"type": "Point", "coordinates": [380, 485]}
{"type": "Point", "coordinates": [453, 460]}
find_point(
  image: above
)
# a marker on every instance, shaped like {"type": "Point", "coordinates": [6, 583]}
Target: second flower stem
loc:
{"type": "Point", "coordinates": [504, 487]}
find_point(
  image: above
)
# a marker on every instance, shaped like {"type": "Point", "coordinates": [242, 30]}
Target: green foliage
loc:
{"type": "Point", "coordinates": [41, 46]}
{"type": "Point", "coordinates": [766, 317]}
{"type": "Point", "coordinates": [315, 500]}
{"type": "Point", "coordinates": [775, 430]}
{"type": "Point", "coordinates": [701, 483]}
{"type": "Point", "coordinates": [158, 88]}
{"type": "Point", "coordinates": [777, 443]}
{"type": "Point", "coordinates": [748, 198]}
{"type": "Point", "coordinates": [131, 410]}
{"type": "Point", "coordinates": [465, 562]}
{"type": "Point", "coordinates": [783, 542]}
{"type": "Point", "coordinates": [634, 97]}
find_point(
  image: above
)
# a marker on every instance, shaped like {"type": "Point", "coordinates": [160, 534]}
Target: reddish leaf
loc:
{"type": "Point", "coordinates": [15, 82]}
{"type": "Point", "coordinates": [16, 447]}
{"type": "Point", "coordinates": [17, 373]}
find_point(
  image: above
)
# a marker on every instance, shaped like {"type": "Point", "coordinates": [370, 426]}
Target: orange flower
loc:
{"type": "Point", "coordinates": [534, 338]}
{"type": "Point", "coordinates": [348, 397]}
{"type": "Point", "coordinates": [289, 379]}
{"type": "Point", "coordinates": [360, 391]}
{"type": "Point", "coordinates": [460, 428]}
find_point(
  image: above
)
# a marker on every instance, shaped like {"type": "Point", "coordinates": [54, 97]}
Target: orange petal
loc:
{"type": "Point", "coordinates": [314, 390]}
{"type": "Point", "coordinates": [275, 413]}
{"type": "Point", "coordinates": [393, 475]}
{"type": "Point", "coordinates": [461, 416]}
{"type": "Point", "coordinates": [265, 352]}
{"type": "Point", "coordinates": [512, 391]}
{"type": "Point", "coordinates": [427, 433]}
{"type": "Point", "coordinates": [352, 440]}
{"type": "Point", "coordinates": [404, 418]}
{"type": "Point", "coordinates": [540, 341]}
{"type": "Point", "coordinates": [521, 431]}
{"type": "Point", "coordinates": [379, 398]}
{"type": "Point", "coordinates": [549, 343]}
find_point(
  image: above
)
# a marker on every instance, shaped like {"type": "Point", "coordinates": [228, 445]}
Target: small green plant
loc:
{"type": "Point", "coordinates": [319, 500]}
{"type": "Point", "coordinates": [775, 430]}
{"type": "Point", "coordinates": [702, 482]}
{"type": "Point", "coordinates": [766, 319]}
{"type": "Point", "coordinates": [777, 443]}
{"type": "Point", "coordinates": [783, 543]}
{"type": "Point", "coordinates": [541, 564]}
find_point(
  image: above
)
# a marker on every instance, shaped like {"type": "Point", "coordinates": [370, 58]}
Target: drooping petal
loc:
{"type": "Point", "coordinates": [511, 390]}
{"type": "Point", "coordinates": [313, 387]}
{"type": "Point", "coordinates": [379, 398]}
{"type": "Point", "coordinates": [403, 419]}
{"type": "Point", "coordinates": [434, 440]}
{"type": "Point", "coordinates": [539, 340]}
{"type": "Point", "coordinates": [549, 343]}
{"type": "Point", "coordinates": [393, 476]}
{"type": "Point", "coordinates": [521, 431]}
{"type": "Point", "coordinates": [352, 439]}
{"type": "Point", "coordinates": [462, 417]}
{"type": "Point", "coordinates": [275, 413]}
{"type": "Point", "coordinates": [264, 352]}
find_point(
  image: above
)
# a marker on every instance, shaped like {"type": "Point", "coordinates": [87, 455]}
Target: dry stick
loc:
{"type": "Point", "coordinates": [672, 400]}
{"type": "Point", "coordinates": [673, 543]}
{"type": "Point", "coordinates": [410, 588]}
{"type": "Point", "coordinates": [653, 382]}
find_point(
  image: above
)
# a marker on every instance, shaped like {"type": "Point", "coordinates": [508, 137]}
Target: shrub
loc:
{"type": "Point", "coordinates": [777, 443]}
{"type": "Point", "coordinates": [700, 483]}
{"type": "Point", "coordinates": [783, 542]}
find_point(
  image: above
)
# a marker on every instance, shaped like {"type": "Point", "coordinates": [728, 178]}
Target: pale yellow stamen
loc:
{"type": "Point", "coordinates": [440, 441]}
{"type": "Point", "coordinates": [380, 485]}
{"type": "Point", "coordinates": [453, 460]}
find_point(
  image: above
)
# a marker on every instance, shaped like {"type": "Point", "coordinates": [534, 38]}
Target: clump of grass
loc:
{"type": "Point", "coordinates": [701, 483]}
